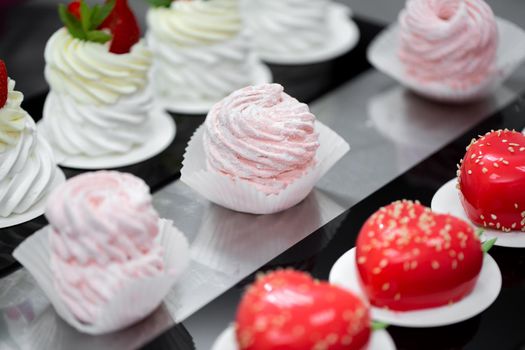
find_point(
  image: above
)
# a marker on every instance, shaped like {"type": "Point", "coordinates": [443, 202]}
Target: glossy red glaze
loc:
{"type": "Point", "coordinates": [3, 84]}
{"type": "Point", "coordinates": [288, 310]}
{"type": "Point", "coordinates": [123, 26]}
{"type": "Point", "coordinates": [410, 258]}
{"type": "Point", "coordinates": [492, 181]}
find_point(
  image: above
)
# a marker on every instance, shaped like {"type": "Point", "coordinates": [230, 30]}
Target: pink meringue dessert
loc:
{"type": "Point", "coordinates": [452, 43]}
{"type": "Point", "coordinates": [262, 135]}
{"type": "Point", "coordinates": [102, 236]}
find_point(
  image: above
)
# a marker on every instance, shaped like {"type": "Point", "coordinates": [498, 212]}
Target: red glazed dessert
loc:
{"type": "Point", "coordinates": [410, 258]}
{"type": "Point", "coordinates": [491, 180]}
{"type": "Point", "coordinates": [289, 310]}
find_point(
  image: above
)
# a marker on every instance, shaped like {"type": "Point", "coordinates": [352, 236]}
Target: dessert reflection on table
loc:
{"type": "Point", "coordinates": [28, 321]}
{"type": "Point", "coordinates": [227, 246]}
{"type": "Point", "coordinates": [417, 124]}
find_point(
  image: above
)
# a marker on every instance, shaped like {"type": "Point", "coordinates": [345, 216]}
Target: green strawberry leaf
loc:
{"type": "Point", "coordinates": [98, 36]}
{"type": "Point", "coordinates": [101, 14]}
{"type": "Point", "coordinates": [479, 231]}
{"type": "Point", "coordinates": [85, 16]}
{"type": "Point", "coordinates": [72, 24]}
{"type": "Point", "coordinates": [159, 3]}
{"type": "Point", "coordinates": [487, 245]}
{"type": "Point", "coordinates": [90, 19]}
{"type": "Point", "coordinates": [377, 325]}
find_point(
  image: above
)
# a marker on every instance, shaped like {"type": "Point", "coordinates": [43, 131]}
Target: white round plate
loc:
{"type": "Point", "coordinates": [383, 54]}
{"type": "Point", "coordinates": [37, 209]}
{"type": "Point", "coordinates": [343, 36]}
{"type": "Point", "coordinates": [344, 273]}
{"type": "Point", "coordinates": [447, 201]}
{"type": "Point", "coordinates": [379, 340]}
{"type": "Point", "coordinates": [261, 74]}
{"type": "Point", "coordinates": [158, 135]}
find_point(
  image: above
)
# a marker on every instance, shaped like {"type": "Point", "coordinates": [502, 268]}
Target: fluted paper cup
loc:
{"type": "Point", "coordinates": [136, 299]}
{"type": "Point", "coordinates": [241, 195]}
{"type": "Point", "coordinates": [383, 54]}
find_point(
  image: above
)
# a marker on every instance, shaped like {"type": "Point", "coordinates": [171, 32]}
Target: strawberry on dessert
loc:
{"type": "Point", "coordinates": [290, 310]}
{"type": "Point", "coordinates": [123, 26]}
{"type": "Point", "coordinates": [97, 67]}
{"type": "Point", "coordinates": [410, 258]}
{"type": "Point", "coordinates": [4, 82]}
{"type": "Point", "coordinates": [448, 43]}
{"type": "Point", "coordinates": [491, 181]}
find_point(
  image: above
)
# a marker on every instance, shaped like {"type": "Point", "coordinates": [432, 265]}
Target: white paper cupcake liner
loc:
{"type": "Point", "coordinates": [344, 273]}
{"type": "Point", "coordinates": [379, 340]}
{"type": "Point", "coordinates": [243, 196]}
{"type": "Point", "coordinates": [446, 200]}
{"type": "Point", "coordinates": [135, 301]}
{"type": "Point", "coordinates": [383, 54]}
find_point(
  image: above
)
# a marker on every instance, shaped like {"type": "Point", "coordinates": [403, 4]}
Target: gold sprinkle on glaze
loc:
{"type": "Point", "coordinates": [435, 265]}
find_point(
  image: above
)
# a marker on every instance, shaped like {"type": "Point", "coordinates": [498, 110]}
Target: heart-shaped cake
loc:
{"type": "Point", "coordinates": [290, 310]}
{"type": "Point", "coordinates": [491, 180]}
{"type": "Point", "coordinates": [410, 258]}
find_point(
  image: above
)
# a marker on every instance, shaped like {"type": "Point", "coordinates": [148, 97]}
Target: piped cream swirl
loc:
{"type": "Point", "coordinates": [27, 165]}
{"type": "Point", "coordinates": [90, 74]}
{"type": "Point", "coordinates": [263, 135]}
{"type": "Point", "coordinates": [200, 50]}
{"type": "Point", "coordinates": [93, 130]}
{"type": "Point", "coordinates": [451, 42]}
{"type": "Point", "coordinates": [284, 26]}
{"type": "Point", "coordinates": [197, 22]}
{"type": "Point", "coordinates": [103, 231]}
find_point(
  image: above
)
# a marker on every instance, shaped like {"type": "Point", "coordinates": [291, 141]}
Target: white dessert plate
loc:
{"type": "Point", "coordinates": [38, 208]}
{"type": "Point", "coordinates": [145, 295]}
{"type": "Point", "coordinates": [379, 340]}
{"type": "Point", "coordinates": [447, 201]}
{"type": "Point", "coordinates": [383, 54]}
{"type": "Point", "coordinates": [159, 133]}
{"type": "Point", "coordinates": [343, 36]}
{"type": "Point", "coordinates": [261, 74]}
{"type": "Point", "coordinates": [344, 273]}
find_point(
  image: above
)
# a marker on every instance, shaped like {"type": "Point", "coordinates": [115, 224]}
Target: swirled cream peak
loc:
{"type": "Point", "coordinates": [196, 22]}
{"type": "Point", "coordinates": [90, 74]}
{"type": "Point", "coordinates": [263, 135]}
{"type": "Point", "coordinates": [12, 117]}
{"type": "Point", "coordinates": [284, 26]}
{"type": "Point", "coordinates": [451, 42]}
{"type": "Point", "coordinates": [103, 231]}
{"type": "Point", "coordinates": [27, 166]}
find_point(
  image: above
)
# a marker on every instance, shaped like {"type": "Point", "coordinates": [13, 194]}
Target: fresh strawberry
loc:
{"type": "Point", "coordinates": [124, 26]}
{"type": "Point", "coordinates": [74, 8]}
{"type": "Point", "coordinates": [411, 258]}
{"type": "Point", "coordinates": [289, 310]}
{"type": "Point", "coordinates": [3, 84]}
{"type": "Point", "coordinates": [492, 181]}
